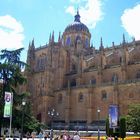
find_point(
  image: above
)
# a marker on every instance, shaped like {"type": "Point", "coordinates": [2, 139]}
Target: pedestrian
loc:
{"type": "Point", "coordinates": [40, 135]}
{"type": "Point", "coordinates": [46, 136]}
{"type": "Point", "coordinates": [115, 138]}
{"type": "Point", "coordinates": [65, 136]}
{"type": "Point", "coordinates": [60, 137]}
{"type": "Point", "coordinates": [33, 135]}
{"type": "Point", "coordinates": [110, 138]}
{"type": "Point", "coordinates": [51, 134]}
{"type": "Point", "coordinates": [68, 137]}
{"type": "Point", "coordinates": [76, 136]}
{"type": "Point", "coordinates": [27, 135]}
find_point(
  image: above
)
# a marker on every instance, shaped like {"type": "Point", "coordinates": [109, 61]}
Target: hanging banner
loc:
{"type": "Point", "coordinates": [8, 104]}
{"type": "Point", "coordinates": [113, 116]}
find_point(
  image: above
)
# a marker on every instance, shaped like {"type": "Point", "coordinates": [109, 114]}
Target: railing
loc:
{"type": "Point", "coordinates": [79, 125]}
{"type": "Point", "coordinates": [103, 84]}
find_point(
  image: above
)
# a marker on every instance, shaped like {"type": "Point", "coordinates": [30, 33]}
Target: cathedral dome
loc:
{"type": "Point", "coordinates": [77, 25]}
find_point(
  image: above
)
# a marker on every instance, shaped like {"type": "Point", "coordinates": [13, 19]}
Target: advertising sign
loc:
{"type": "Point", "coordinates": [8, 104]}
{"type": "Point", "coordinates": [113, 116]}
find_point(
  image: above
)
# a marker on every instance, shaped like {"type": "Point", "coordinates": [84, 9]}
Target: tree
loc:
{"type": "Point", "coordinates": [119, 131]}
{"type": "Point", "coordinates": [11, 76]}
{"type": "Point", "coordinates": [133, 118]}
{"type": "Point", "coordinates": [10, 69]}
{"type": "Point", "coordinates": [122, 129]}
{"type": "Point", "coordinates": [12, 57]}
{"type": "Point", "coordinates": [30, 123]}
{"type": "Point", "coordinates": [109, 131]}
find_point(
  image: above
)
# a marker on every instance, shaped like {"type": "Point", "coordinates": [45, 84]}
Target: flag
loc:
{"type": "Point", "coordinates": [8, 104]}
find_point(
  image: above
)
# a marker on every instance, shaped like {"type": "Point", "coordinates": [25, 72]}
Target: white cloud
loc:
{"type": "Point", "coordinates": [11, 33]}
{"type": "Point", "coordinates": [130, 21]}
{"type": "Point", "coordinates": [70, 10]}
{"type": "Point", "coordinates": [90, 13]}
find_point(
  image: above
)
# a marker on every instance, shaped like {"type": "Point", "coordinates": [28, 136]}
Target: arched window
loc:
{"type": "Point", "coordinates": [80, 97]}
{"type": "Point", "coordinates": [103, 95]}
{"type": "Point", "coordinates": [86, 43]}
{"type": "Point", "coordinates": [78, 38]}
{"type": "Point", "coordinates": [114, 78]}
{"type": "Point", "coordinates": [93, 81]}
{"type": "Point", "coordinates": [73, 83]}
{"type": "Point", "coordinates": [68, 41]}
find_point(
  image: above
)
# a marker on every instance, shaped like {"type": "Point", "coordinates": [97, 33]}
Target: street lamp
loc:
{"type": "Point", "coordinates": [22, 120]}
{"type": "Point", "coordinates": [52, 114]}
{"type": "Point", "coordinates": [98, 113]}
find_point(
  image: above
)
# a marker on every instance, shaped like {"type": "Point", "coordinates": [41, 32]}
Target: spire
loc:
{"type": "Point", "coordinates": [31, 51]}
{"type": "Point", "coordinates": [113, 44]}
{"type": "Point", "coordinates": [29, 44]}
{"type": "Point", "coordinates": [91, 45]}
{"type": "Point", "coordinates": [124, 39]}
{"type": "Point", "coordinates": [77, 16]}
{"type": "Point", "coordinates": [32, 43]}
{"type": "Point", "coordinates": [29, 47]}
{"type": "Point", "coordinates": [101, 45]}
{"type": "Point", "coordinates": [59, 38]}
{"type": "Point", "coordinates": [53, 36]}
{"type": "Point", "coordinates": [50, 38]}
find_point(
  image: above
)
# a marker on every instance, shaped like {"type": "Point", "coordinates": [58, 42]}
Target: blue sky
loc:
{"type": "Point", "coordinates": [23, 20]}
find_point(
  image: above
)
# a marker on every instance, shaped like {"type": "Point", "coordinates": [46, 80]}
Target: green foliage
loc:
{"type": "Point", "coordinates": [29, 122]}
{"type": "Point", "coordinates": [116, 132]}
{"type": "Point", "coordinates": [107, 127]}
{"type": "Point", "coordinates": [109, 131]}
{"type": "Point", "coordinates": [10, 73]}
{"type": "Point", "coordinates": [12, 57]}
{"type": "Point", "coordinates": [133, 118]}
{"type": "Point", "coordinates": [119, 132]}
{"type": "Point", "coordinates": [122, 125]}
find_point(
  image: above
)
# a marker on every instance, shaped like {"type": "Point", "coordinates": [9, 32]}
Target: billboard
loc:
{"type": "Point", "coordinates": [113, 116]}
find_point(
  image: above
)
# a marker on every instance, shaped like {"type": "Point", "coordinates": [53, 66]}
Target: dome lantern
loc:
{"type": "Point", "coordinates": [77, 17]}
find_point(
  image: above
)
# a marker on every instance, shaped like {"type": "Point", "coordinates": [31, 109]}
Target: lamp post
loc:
{"type": "Point", "coordinates": [52, 114]}
{"type": "Point", "coordinates": [98, 113]}
{"type": "Point", "coordinates": [22, 119]}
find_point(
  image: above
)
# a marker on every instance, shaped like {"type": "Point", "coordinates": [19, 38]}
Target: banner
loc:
{"type": "Point", "coordinates": [113, 116]}
{"type": "Point", "coordinates": [8, 104]}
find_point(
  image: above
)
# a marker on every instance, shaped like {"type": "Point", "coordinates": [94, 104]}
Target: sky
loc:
{"type": "Point", "coordinates": [24, 20]}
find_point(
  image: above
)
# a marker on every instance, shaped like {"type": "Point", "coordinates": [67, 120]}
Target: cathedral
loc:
{"type": "Point", "coordinates": [73, 84]}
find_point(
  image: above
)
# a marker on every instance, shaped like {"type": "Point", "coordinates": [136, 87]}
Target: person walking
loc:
{"type": "Point", "coordinates": [46, 136]}
{"type": "Point", "coordinates": [65, 136]}
{"type": "Point", "coordinates": [76, 136]}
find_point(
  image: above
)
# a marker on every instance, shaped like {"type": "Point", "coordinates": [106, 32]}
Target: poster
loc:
{"type": "Point", "coordinates": [113, 116]}
{"type": "Point", "coordinates": [8, 104]}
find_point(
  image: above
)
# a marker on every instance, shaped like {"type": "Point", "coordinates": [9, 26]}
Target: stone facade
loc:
{"type": "Point", "coordinates": [76, 79]}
